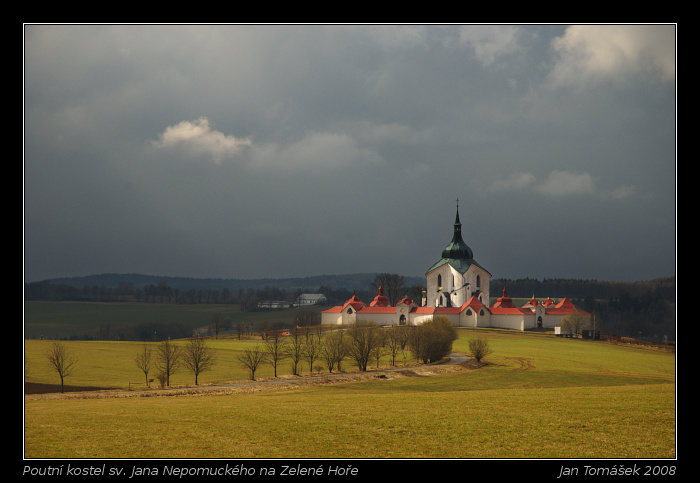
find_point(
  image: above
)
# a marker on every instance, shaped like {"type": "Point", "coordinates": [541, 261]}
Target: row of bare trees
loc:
{"type": "Point", "coordinates": [168, 358]}
{"type": "Point", "coordinates": [195, 355]}
{"type": "Point", "coordinates": [363, 343]}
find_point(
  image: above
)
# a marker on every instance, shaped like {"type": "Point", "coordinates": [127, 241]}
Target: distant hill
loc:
{"type": "Point", "coordinates": [555, 288]}
{"type": "Point", "coordinates": [359, 281]}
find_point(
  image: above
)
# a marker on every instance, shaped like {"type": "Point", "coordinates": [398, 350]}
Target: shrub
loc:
{"type": "Point", "coordinates": [432, 340]}
{"type": "Point", "coordinates": [479, 348]}
{"type": "Point", "coordinates": [162, 378]}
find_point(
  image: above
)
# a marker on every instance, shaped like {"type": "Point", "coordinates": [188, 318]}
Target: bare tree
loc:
{"type": "Point", "coordinates": [394, 341]}
{"type": "Point", "coordinates": [197, 356]}
{"type": "Point", "coordinates": [307, 317]}
{"type": "Point", "coordinates": [240, 329]}
{"type": "Point", "coordinates": [393, 285]}
{"type": "Point", "coordinates": [143, 361]}
{"type": "Point", "coordinates": [312, 351]}
{"type": "Point", "coordinates": [333, 350]}
{"type": "Point", "coordinates": [61, 360]}
{"type": "Point", "coordinates": [274, 349]}
{"type": "Point", "coordinates": [364, 337]}
{"type": "Point", "coordinates": [380, 348]}
{"type": "Point", "coordinates": [217, 324]}
{"type": "Point", "coordinates": [342, 350]}
{"type": "Point", "coordinates": [479, 348]}
{"type": "Point", "coordinates": [168, 359]}
{"type": "Point", "coordinates": [575, 323]}
{"type": "Point", "coordinates": [251, 360]}
{"type": "Point", "coordinates": [328, 353]}
{"type": "Point", "coordinates": [294, 349]}
{"type": "Point", "coordinates": [415, 293]}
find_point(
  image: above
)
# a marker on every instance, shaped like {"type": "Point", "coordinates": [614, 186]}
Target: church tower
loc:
{"type": "Point", "coordinates": [456, 277]}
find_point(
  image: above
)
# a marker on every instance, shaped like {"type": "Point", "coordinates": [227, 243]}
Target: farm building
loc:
{"type": "Point", "coordinates": [307, 299]}
{"type": "Point", "coordinates": [458, 288]}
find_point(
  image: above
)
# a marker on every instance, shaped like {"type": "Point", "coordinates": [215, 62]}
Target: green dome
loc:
{"type": "Point", "coordinates": [457, 249]}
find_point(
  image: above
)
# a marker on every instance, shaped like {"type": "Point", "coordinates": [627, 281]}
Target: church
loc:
{"type": "Point", "coordinates": [457, 287]}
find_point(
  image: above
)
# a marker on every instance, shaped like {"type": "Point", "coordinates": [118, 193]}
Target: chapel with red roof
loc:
{"type": "Point", "coordinates": [456, 287]}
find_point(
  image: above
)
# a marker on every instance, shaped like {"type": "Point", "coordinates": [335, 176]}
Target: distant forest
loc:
{"type": "Point", "coordinates": [644, 308]}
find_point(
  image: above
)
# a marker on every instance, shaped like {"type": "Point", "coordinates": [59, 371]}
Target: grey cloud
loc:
{"type": "Point", "coordinates": [257, 151]}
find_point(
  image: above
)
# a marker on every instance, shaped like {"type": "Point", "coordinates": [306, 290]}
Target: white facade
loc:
{"type": "Point", "coordinates": [447, 287]}
{"type": "Point", "coordinates": [456, 277]}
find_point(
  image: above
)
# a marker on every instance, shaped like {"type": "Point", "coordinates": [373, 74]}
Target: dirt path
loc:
{"type": "Point", "coordinates": [455, 362]}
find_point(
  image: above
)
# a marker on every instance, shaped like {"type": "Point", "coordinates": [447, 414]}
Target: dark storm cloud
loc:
{"type": "Point", "coordinates": [265, 151]}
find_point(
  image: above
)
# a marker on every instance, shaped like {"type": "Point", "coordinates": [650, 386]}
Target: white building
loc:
{"type": "Point", "coordinates": [458, 288]}
{"type": "Point", "coordinates": [306, 299]}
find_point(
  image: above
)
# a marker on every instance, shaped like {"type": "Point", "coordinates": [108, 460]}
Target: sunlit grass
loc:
{"type": "Point", "coordinates": [612, 422]}
{"type": "Point", "coordinates": [538, 397]}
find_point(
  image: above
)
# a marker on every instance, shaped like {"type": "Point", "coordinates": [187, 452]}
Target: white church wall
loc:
{"type": "Point", "coordinates": [551, 321]}
{"type": "Point", "coordinates": [438, 281]}
{"type": "Point", "coordinates": [348, 317]}
{"type": "Point", "coordinates": [479, 279]}
{"type": "Point", "coordinates": [416, 319]}
{"type": "Point", "coordinates": [507, 322]}
{"type": "Point", "coordinates": [469, 318]}
{"type": "Point", "coordinates": [331, 319]}
{"type": "Point", "coordinates": [378, 319]}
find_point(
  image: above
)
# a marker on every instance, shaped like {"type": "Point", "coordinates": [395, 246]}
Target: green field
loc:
{"type": "Point", "coordinates": [538, 397]}
{"type": "Point", "coordinates": [80, 320]}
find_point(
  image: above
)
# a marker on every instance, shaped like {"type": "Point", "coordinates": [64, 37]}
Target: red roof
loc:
{"type": "Point", "coordinates": [405, 301]}
{"type": "Point", "coordinates": [473, 303]}
{"type": "Point", "coordinates": [504, 306]}
{"type": "Point", "coordinates": [532, 303]}
{"type": "Point", "coordinates": [505, 301]}
{"type": "Point", "coordinates": [377, 310]}
{"type": "Point", "coordinates": [333, 310]}
{"type": "Point", "coordinates": [423, 310]}
{"type": "Point", "coordinates": [447, 310]}
{"type": "Point", "coordinates": [565, 303]}
{"type": "Point", "coordinates": [509, 310]}
{"type": "Point", "coordinates": [354, 302]}
{"type": "Point", "coordinates": [380, 300]}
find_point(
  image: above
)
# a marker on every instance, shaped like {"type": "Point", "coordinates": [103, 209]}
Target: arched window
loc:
{"type": "Point", "coordinates": [439, 282]}
{"type": "Point", "coordinates": [478, 281]}
{"type": "Point", "coordinates": [469, 311]}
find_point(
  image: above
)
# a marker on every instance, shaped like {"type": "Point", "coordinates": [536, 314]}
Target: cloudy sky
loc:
{"type": "Point", "coordinates": [251, 151]}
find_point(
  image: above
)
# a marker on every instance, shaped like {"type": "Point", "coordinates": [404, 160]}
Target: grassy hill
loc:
{"type": "Point", "coordinates": [538, 396]}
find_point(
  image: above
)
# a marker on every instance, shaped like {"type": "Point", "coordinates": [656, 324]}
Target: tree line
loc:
{"type": "Point", "coordinates": [622, 308]}
{"type": "Point", "coordinates": [582, 288]}
{"type": "Point", "coordinates": [393, 284]}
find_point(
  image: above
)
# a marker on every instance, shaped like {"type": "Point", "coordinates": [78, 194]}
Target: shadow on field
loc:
{"type": "Point", "coordinates": [36, 388]}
